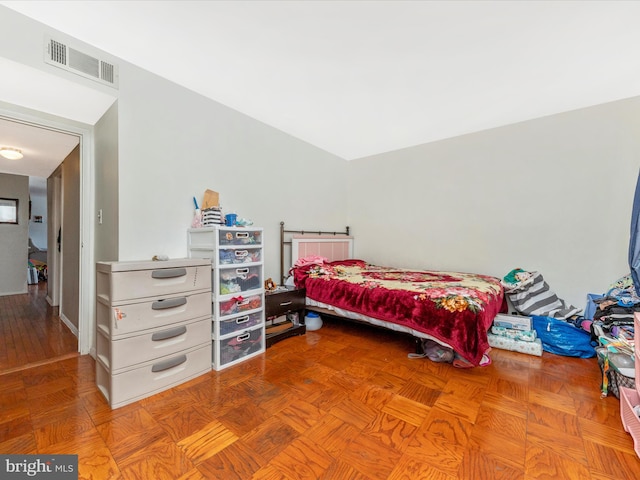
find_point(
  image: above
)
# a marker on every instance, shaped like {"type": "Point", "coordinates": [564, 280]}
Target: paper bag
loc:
{"type": "Point", "coordinates": [211, 199]}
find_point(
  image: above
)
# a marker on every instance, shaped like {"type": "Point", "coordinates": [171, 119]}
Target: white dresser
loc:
{"type": "Point", "coordinates": [236, 255]}
{"type": "Point", "coordinates": [153, 326]}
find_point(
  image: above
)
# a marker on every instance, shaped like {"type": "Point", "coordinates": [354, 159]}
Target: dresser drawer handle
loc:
{"type": "Point", "coordinates": [168, 303]}
{"type": "Point", "coordinates": [284, 304]}
{"type": "Point", "coordinates": [242, 235]}
{"type": "Point", "coordinates": [174, 332]}
{"type": "Point", "coordinates": [242, 253]}
{"type": "Point", "coordinates": [167, 364]}
{"type": "Point", "coordinates": [242, 271]}
{"type": "Point", "coordinates": [244, 319]}
{"type": "Point", "coordinates": [243, 337]}
{"type": "Point", "coordinates": [169, 273]}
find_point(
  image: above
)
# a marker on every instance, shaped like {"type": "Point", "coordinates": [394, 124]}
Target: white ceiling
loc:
{"type": "Point", "coordinates": [43, 149]}
{"type": "Point", "coordinates": [358, 78]}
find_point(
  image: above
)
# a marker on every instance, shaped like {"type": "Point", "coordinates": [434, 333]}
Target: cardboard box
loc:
{"type": "Point", "coordinates": [517, 322]}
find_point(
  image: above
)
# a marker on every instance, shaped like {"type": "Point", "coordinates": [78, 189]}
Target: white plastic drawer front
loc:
{"type": "Point", "coordinates": [195, 252]}
{"type": "Point", "coordinates": [153, 377]}
{"type": "Point", "coordinates": [239, 279]}
{"type": "Point", "coordinates": [155, 343]}
{"type": "Point", "coordinates": [241, 322]}
{"type": "Point", "coordinates": [234, 256]}
{"type": "Point", "coordinates": [156, 282]}
{"type": "Point", "coordinates": [202, 237]}
{"type": "Point", "coordinates": [127, 319]}
{"type": "Point", "coordinates": [240, 304]}
{"type": "Point", "coordinates": [239, 236]}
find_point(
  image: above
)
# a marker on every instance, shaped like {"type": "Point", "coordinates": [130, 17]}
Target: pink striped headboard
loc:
{"type": "Point", "coordinates": [331, 247]}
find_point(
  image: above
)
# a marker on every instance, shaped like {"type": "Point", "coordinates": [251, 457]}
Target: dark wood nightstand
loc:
{"type": "Point", "coordinates": [283, 302]}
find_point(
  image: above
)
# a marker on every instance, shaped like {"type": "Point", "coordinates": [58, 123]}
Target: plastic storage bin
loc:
{"type": "Point", "coordinates": [151, 344]}
{"type": "Point", "coordinates": [239, 279]}
{"type": "Point", "coordinates": [630, 420]}
{"type": "Point", "coordinates": [238, 347]}
{"type": "Point", "coordinates": [152, 377]}
{"type": "Point", "coordinates": [121, 281]}
{"type": "Point", "coordinates": [630, 398]}
{"type": "Point", "coordinates": [241, 322]}
{"type": "Point", "coordinates": [234, 256]}
{"type": "Point", "coordinates": [239, 236]}
{"type": "Point", "coordinates": [135, 316]}
{"type": "Point", "coordinates": [240, 304]}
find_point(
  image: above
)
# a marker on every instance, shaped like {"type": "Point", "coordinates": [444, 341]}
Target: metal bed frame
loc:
{"type": "Point", "coordinates": [284, 241]}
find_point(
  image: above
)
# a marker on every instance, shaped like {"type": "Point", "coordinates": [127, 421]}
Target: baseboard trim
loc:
{"type": "Point", "coordinates": [68, 323]}
{"type": "Point", "coordinates": [5, 294]}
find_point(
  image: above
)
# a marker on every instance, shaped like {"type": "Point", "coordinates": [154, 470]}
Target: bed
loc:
{"type": "Point", "coordinates": [454, 309]}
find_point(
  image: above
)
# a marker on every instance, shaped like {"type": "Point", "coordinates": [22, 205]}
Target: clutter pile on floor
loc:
{"type": "Point", "coordinates": [613, 329]}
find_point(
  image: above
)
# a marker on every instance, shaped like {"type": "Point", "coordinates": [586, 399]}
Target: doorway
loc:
{"type": "Point", "coordinates": [79, 307]}
{"type": "Point", "coordinates": [34, 327]}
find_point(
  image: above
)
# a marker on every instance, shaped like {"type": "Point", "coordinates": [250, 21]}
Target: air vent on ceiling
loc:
{"type": "Point", "coordinates": [68, 58]}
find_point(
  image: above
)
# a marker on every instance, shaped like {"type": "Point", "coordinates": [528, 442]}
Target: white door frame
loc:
{"type": "Point", "coordinates": [86, 307]}
{"type": "Point", "coordinates": [54, 191]}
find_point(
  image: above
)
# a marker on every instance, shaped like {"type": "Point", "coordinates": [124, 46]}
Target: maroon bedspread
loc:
{"type": "Point", "coordinates": [456, 308]}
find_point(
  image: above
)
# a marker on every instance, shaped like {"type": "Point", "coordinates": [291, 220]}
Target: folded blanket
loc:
{"type": "Point", "coordinates": [531, 295]}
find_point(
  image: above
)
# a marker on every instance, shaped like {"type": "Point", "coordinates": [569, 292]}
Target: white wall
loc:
{"type": "Point", "coordinates": [174, 144]}
{"type": "Point", "coordinates": [14, 241]}
{"type": "Point", "coordinates": [552, 195]}
{"type": "Point", "coordinates": [38, 197]}
{"type": "Point", "coordinates": [106, 186]}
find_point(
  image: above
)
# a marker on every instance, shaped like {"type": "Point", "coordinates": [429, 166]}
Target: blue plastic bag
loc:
{"type": "Point", "coordinates": [563, 338]}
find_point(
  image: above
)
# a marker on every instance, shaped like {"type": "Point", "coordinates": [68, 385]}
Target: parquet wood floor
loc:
{"type": "Point", "coordinates": [343, 402]}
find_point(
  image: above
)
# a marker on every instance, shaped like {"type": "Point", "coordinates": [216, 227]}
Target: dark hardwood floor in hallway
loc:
{"type": "Point", "coordinates": [340, 403]}
{"type": "Point", "coordinates": [31, 332]}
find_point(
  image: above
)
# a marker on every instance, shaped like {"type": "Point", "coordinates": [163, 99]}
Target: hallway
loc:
{"type": "Point", "coordinates": [31, 332]}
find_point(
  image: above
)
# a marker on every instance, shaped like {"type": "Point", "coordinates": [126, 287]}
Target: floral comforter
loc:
{"type": "Point", "coordinates": [456, 308]}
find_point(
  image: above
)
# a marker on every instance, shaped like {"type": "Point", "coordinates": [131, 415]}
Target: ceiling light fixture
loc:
{"type": "Point", "coordinates": [11, 153]}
